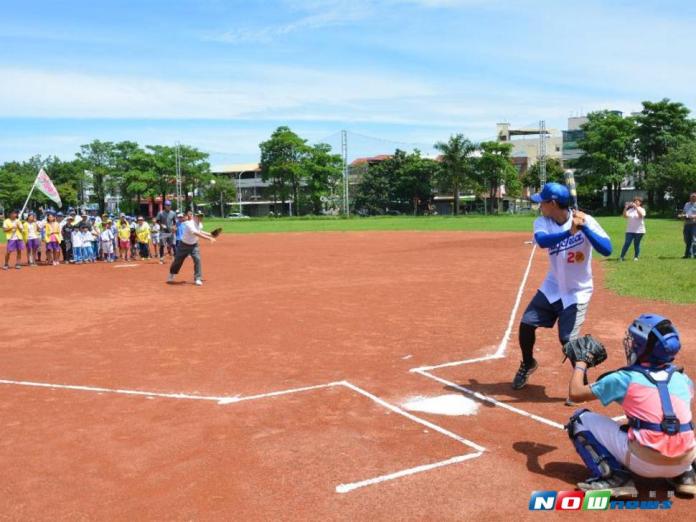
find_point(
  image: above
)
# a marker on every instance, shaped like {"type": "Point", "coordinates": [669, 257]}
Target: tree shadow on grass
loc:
{"type": "Point", "coordinates": [504, 393]}
{"type": "Point", "coordinates": [569, 472]}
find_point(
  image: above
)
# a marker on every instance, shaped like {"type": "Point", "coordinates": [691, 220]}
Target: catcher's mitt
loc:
{"type": "Point", "coordinates": [587, 349]}
{"type": "Point", "coordinates": [216, 232]}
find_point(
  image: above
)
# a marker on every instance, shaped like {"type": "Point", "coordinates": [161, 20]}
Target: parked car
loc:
{"type": "Point", "coordinates": [237, 215]}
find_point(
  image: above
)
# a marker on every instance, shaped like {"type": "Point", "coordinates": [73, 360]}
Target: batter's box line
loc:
{"type": "Point", "coordinates": [227, 400]}
{"type": "Point", "coordinates": [498, 354]}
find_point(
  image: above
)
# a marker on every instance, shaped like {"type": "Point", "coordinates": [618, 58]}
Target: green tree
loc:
{"type": "Point", "coordinates": [281, 163]}
{"type": "Point", "coordinates": [163, 164]}
{"type": "Point", "coordinates": [403, 183]}
{"type": "Point", "coordinates": [494, 169]}
{"type": "Point", "coordinates": [219, 191]}
{"type": "Point", "coordinates": [675, 171]}
{"type": "Point", "coordinates": [554, 172]}
{"type": "Point", "coordinates": [414, 180]}
{"type": "Point", "coordinates": [98, 159]}
{"type": "Point", "coordinates": [456, 166]}
{"type": "Point", "coordinates": [608, 152]}
{"type": "Point", "coordinates": [322, 172]}
{"type": "Point", "coordinates": [375, 189]}
{"type": "Point", "coordinates": [195, 170]}
{"type": "Point", "coordinates": [15, 183]}
{"type": "Point", "coordinates": [660, 126]}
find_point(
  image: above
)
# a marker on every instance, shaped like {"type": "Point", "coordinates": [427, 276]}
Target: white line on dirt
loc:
{"type": "Point", "coordinates": [227, 400]}
{"type": "Point", "coordinates": [346, 488]}
{"type": "Point", "coordinates": [500, 352]}
{"type": "Point", "coordinates": [185, 396]}
{"type": "Point", "coordinates": [491, 400]}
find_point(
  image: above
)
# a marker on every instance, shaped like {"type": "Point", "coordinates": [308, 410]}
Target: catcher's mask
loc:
{"type": "Point", "coordinates": [651, 338]}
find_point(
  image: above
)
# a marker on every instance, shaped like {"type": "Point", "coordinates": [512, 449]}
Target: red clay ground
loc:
{"type": "Point", "coordinates": [280, 312]}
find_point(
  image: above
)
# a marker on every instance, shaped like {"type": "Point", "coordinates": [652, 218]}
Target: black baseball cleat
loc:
{"type": "Point", "coordinates": [522, 375]}
{"type": "Point", "coordinates": [684, 484]}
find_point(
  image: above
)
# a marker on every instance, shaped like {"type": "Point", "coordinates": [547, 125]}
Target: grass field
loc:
{"type": "Point", "coordinates": [659, 274]}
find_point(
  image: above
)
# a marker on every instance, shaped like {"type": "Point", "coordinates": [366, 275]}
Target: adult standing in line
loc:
{"type": "Point", "coordinates": [569, 236]}
{"type": "Point", "coordinates": [689, 216]}
{"type": "Point", "coordinates": [192, 230]}
{"type": "Point", "coordinates": [167, 221]}
{"type": "Point", "coordinates": [635, 227]}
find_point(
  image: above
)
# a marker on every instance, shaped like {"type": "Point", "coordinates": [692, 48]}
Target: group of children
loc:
{"type": "Point", "coordinates": [79, 239]}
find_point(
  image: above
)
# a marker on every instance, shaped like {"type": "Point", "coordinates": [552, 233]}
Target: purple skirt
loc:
{"type": "Point", "coordinates": [15, 245]}
{"type": "Point", "coordinates": [33, 244]}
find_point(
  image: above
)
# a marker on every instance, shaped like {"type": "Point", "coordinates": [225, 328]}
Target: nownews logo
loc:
{"type": "Point", "coordinates": [588, 501]}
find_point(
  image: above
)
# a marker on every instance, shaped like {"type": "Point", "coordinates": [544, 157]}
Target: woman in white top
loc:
{"type": "Point", "coordinates": [635, 227]}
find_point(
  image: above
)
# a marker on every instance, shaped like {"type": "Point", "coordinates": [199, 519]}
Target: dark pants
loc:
{"type": "Point", "coordinates": [541, 313]}
{"type": "Point", "coordinates": [144, 250]}
{"type": "Point", "coordinates": [66, 248]}
{"type": "Point", "coordinates": [635, 238]}
{"type": "Point", "coordinates": [165, 240]}
{"type": "Point", "coordinates": [182, 252]}
{"type": "Point", "coordinates": [689, 233]}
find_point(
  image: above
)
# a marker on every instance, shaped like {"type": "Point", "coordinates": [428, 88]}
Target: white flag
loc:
{"type": "Point", "coordinates": [45, 185]}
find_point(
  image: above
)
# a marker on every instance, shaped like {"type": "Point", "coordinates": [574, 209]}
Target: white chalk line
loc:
{"type": "Point", "coordinates": [346, 488]}
{"type": "Point", "coordinates": [181, 396]}
{"type": "Point", "coordinates": [227, 400]}
{"type": "Point", "coordinates": [491, 400]}
{"type": "Point", "coordinates": [413, 417]}
{"type": "Point", "coordinates": [124, 266]}
{"type": "Point", "coordinates": [502, 347]}
{"type": "Point", "coordinates": [498, 354]}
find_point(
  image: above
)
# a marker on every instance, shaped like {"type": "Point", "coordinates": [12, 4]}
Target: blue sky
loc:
{"type": "Point", "coordinates": [221, 75]}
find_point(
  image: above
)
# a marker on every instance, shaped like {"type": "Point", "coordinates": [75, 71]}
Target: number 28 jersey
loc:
{"type": "Point", "coordinates": [570, 262]}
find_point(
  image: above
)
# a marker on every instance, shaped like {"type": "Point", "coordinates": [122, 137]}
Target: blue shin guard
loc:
{"type": "Point", "coordinates": [596, 457]}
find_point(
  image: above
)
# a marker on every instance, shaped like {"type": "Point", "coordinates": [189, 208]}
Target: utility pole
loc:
{"type": "Point", "coordinates": [542, 153]}
{"type": "Point", "coordinates": [344, 154]}
{"type": "Point", "coordinates": [179, 194]}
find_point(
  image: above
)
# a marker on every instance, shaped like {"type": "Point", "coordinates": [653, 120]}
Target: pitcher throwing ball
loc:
{"type": "Point", "coordinates": [569, 236]}
{"type": "Point", "coordinates": [192, 230]}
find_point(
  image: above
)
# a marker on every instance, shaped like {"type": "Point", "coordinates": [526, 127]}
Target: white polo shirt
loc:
{"type": "Point", "coordinates": [189, 232]}
{"type": "Point", "coordinates": [570, 262]}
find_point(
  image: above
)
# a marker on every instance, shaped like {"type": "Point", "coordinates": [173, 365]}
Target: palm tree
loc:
{"type": "Point", "coordinates": [456, 164]}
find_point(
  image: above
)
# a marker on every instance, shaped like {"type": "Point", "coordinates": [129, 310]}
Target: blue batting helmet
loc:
{"type": "Point", "coordinates": [651, 338]}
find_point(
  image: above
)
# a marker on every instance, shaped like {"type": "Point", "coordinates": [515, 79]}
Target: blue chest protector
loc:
{"type": "Point", "coordinates": [670, 423]}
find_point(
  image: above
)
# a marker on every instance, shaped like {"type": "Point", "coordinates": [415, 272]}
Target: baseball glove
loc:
{"type": "Point", "coordinates": [587, 349]}
{"type": "Point", "coordinates": [216, 232]}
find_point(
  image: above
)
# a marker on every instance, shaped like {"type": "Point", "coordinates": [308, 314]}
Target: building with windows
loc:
{"type": "Point", "coordinates": [254, 195]}
{"type": "Point", "coordinates": [571, 136]}
{"type": "Point", "coordinates": [525, 142]}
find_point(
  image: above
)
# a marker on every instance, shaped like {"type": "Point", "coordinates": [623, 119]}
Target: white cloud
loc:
{"type": "Point", "coordinates": [259, 91]}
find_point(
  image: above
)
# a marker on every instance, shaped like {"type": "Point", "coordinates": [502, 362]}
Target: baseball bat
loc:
{"type": "Point", "coordinates": [570, 183]}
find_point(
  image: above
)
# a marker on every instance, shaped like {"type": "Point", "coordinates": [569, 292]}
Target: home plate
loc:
{"type": "Point", "coordinates": [451, 404]}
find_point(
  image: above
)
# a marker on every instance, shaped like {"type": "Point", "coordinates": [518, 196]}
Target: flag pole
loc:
{"type": "Point", "coordinates": [29, 196]}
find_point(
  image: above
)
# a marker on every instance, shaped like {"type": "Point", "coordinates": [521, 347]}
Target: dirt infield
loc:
{"type": "Point", "coordinates": [163, 402]}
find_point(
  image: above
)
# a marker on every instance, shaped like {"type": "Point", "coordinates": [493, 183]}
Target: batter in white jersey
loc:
{"type": "Point", "coordinates": [569, 236]}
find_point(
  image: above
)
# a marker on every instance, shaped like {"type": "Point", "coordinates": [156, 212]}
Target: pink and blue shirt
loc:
{"type": "Point", "coordinates": [640, 399]}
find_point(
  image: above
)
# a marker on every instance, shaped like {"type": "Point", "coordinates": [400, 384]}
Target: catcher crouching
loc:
{"type": "Point", "coordinates": [658, 440]}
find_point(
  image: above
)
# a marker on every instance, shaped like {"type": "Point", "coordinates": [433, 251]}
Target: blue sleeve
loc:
{"type": "Point", "coordinates": [601, 243]}
{"type": "Point", "coordinates": [612, 387]}
{"type": "Point", "coordinates": [545, 240]}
